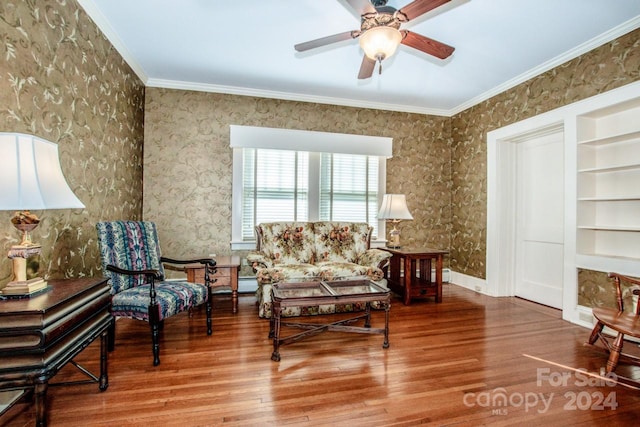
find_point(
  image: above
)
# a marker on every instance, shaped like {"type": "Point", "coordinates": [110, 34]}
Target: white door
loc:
{"type": "Point", "coordinates": [540, 219]}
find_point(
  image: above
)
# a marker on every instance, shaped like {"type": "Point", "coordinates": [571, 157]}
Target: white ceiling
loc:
{"type": "Point", "coordinates": [246, 47]}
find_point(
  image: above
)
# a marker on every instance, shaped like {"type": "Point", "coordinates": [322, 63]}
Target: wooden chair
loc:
{"type": "Point", "coordinates": [132, 260]}
{"type": "Point", "coordinates": [623, 323]}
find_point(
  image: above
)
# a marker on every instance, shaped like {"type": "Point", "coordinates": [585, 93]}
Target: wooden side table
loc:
{"type": "Point", "coordinates": [227, 275]}
{"type": "Point", "coordinates": [409, 272]}
{"type": "Point", "coordinates": [41, 334]}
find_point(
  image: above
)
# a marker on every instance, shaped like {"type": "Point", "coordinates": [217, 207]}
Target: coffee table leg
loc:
{"type": "Point", "coordinates": [367, 319]}
{"type": "Point", "coordinates": [275, 320]}
{"type": "Point", "coordinates": [385, 344]}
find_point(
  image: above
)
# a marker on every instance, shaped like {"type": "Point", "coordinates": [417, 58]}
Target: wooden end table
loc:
{"type": "Point", "coordinates": [226, 275]}
{"type": "Point", "coordinates": [44, 332]}
{"type": "Point", "coordinates": [410, 269]}
{"type": "Point", "coordinates": [304, 294]}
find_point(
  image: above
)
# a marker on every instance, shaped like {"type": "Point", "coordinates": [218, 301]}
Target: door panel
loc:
{"type": "Point", "coordinates": [540, 220]}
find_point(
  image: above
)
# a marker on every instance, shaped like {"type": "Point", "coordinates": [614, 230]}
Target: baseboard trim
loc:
{"type": "Point", "coordinates": [469, 282]}
{"type": "Point", "coordinates": [247, 284]}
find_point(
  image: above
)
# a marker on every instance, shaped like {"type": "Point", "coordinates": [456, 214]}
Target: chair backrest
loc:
{"type": "Point", "coordinates": [341, 241]}
{"type": "Point", "coordinates": [130, 245]}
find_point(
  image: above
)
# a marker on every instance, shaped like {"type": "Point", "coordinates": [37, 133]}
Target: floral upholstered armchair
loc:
{"type": "Point", "coordinates": [306, 251]}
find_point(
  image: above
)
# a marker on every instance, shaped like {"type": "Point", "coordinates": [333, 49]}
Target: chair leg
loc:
{"type": "Point", "coordinates": [596, 332]}
{"type": "Point", "coordinates": [154, 316]}
{"type": "Point", "coordinates": [208, 308]}
{"type": "Point", "coordinates": [616, 349]}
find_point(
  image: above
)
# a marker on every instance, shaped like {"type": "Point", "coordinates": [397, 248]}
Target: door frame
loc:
{"type": "Point", "coordinates": [502, 145]}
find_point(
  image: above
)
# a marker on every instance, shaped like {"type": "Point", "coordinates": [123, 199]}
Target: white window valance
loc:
{"type": "Point", "coordinates": [311, 141]}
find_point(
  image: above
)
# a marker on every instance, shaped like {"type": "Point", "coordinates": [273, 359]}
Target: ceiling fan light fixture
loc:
{"type": "Point", "coordinates": [380, 42]}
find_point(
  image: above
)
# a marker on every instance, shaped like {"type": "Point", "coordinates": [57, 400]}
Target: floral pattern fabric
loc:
{"type": "Point", "coordinates": [306, 251]}
{"type": "Point", "coordinates": [341, 241]}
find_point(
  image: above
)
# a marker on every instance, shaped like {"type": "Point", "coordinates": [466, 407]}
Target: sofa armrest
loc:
{"type": "Point", "coordinates": [375, 258]}
{"type": "Point", "coordinates": [259, 260]}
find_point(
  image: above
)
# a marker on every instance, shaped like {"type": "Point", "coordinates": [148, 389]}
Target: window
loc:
{"type": "Point", "coordinates": [349, 188]}
{"type": "Point", "coordinates": [276, 179]}
{"type": "Point", "coordinates": [275, 187]}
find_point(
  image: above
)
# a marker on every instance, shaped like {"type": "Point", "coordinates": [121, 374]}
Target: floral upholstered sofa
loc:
{"type": "Point", "coordinates": [305, 251]}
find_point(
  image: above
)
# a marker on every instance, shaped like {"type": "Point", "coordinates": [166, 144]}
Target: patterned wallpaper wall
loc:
{"type": "Point", "coordinates": [188, 162]}
{"type": "Point", "coordinates": [607, 67]}
{"type": "Point", "coordinates": [60, 79]}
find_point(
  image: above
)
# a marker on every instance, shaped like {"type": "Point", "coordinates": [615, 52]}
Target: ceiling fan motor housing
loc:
{"type": "Point", "coordinates": [384, 17]}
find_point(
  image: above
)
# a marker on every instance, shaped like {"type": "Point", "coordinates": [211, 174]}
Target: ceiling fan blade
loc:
{"type": "Point", "coordinates": [323, 41]}
{"type": "Point", "coordinates": [366, 69]}
{"type": "Point", "coordinates": [420, 7]}
{"type": "Point", "coordinates": [362, 6]}
{"type": "Point", "coordinates": [426, 45]}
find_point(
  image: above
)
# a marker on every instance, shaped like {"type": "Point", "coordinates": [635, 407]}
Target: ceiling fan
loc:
{"type": "Point", "coordinates": [380, 32]}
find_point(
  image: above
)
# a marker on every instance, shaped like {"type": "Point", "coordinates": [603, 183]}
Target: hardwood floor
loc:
{"type": "Point", "coordinates": [447, 364]}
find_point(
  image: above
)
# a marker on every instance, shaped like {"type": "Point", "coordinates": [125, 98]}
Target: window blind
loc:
{"type": "Point", "coordinates": [349, 188]}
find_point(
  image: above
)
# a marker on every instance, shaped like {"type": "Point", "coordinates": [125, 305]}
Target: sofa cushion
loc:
{"type": "Point", "coordinates": [341, 241]}
{"type": "Point", "coordinates": [341, 270]}
{"type": "Point", "coordinates": [287, 242]}
{"type": "Point", "coordinates": [288, 272]}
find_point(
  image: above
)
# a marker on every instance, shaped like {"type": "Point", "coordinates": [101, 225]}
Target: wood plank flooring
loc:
{"type": "Point", "coordinates": [471, 360]}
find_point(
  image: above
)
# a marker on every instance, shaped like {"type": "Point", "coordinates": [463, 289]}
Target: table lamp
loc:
{"type": "Point", "coordinates": [31, 179]}
{"type": "Point", "coordinates": [394, 209]}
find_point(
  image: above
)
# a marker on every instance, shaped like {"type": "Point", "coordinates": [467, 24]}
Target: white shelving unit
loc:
{"type": "Point", "coordinates": [608, 187]}
{"type": "Point", "coordinates": [601, 193]}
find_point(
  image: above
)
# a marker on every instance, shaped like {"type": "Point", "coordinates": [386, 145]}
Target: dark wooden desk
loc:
{"type": "Point", "coordinates": [39, 335]}
{"type": "Point", "coordinates": [409, 273]}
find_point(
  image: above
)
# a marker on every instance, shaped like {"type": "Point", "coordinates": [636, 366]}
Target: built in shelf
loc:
{"type": "Point", "coordinates": [622, 137]}
{"type": "Point", "coordinates": [616, 168]}
{"type": "Point", "coordinates": [610, 227]}
{"type": "Point", "coordinates": [608, 263]}
{"type": "Point", "coordinates": [608, 198]}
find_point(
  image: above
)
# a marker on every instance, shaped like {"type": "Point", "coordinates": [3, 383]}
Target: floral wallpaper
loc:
{"type": "Point", "coordinates": [60, 79]}
{"type": "Point", "coordinates": [609, 66]}
{"type": "Point", "coordinates": [188, 162]}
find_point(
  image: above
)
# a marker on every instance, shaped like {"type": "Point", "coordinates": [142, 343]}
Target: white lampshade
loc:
{"type": "Point", "coordinates": [380, 42]}
{"type": "Point", "coordinates": [394, 206]}
{"type": "Point", "coordinates": [31, 175]}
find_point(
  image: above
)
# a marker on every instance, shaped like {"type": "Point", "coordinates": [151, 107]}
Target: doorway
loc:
{"type": "Point", "coordinates": [539, 218]}
{"type": "Point", "coordinates": [525, 213]}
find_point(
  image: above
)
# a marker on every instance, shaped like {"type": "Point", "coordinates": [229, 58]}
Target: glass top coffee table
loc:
{"type": "Point", "coordinates": [305, 294]}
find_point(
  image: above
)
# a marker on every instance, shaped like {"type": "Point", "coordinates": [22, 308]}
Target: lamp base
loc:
{"type": "Point", "coordinates": [26, 222]}
{"type": "Point", "coordinates": [394, 238]}
{"type": "Point", "coordinates": [19, 255]}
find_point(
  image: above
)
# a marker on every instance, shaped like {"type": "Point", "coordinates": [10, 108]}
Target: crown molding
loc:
{"type": "Point", "coordinates": [103, 24]}
{"type": "Point", "coordinates": [585, 47]}
{"type": "Point", "coordinates": [94, 12]}
{"type": "Point", "coordinates": [289, 96]}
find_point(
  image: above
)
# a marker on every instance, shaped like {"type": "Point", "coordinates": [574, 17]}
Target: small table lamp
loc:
{"type": "Point", "coordinates": [394, 209]}
{"type": "Point", "coordinates": [31, 178]}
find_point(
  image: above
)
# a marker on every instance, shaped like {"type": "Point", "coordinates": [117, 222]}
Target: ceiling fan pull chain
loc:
{"type": "Point", "coordinates": [379, 66]}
